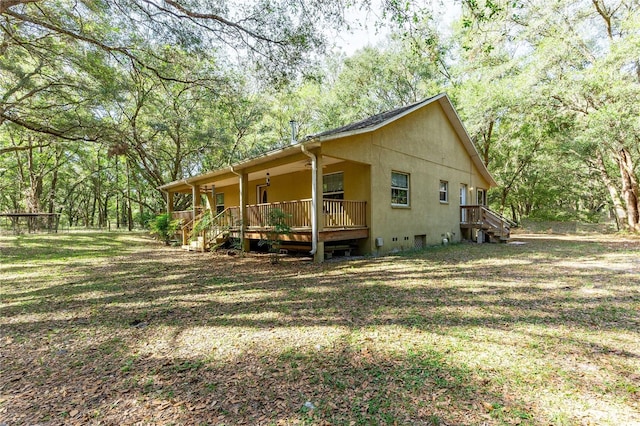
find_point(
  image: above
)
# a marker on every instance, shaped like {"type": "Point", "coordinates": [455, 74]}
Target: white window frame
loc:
{"type": "Point", "coordinates": [333, 194]}
{"type": "Point", "coordinates": [400, 188]}
{"type": "Point", "coordinates": [218, 210]}
{"type": "Point", "coordinates": [444, 191]}
{"type": "Point", "coordinates": [481, 196]}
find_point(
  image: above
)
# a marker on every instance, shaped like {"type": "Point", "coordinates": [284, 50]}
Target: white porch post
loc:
{"type": "Point", "coordinates": [244, 200]}
{"type": "Point", "coordinates": [318, 257]}
{"type": "Point", "coordinates": [197, 202]}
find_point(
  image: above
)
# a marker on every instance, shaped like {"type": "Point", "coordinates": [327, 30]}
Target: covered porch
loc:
{"type": "Point", "coordinates": [342, 220]}
{"type": "Point", "coordinates": [324, 201]}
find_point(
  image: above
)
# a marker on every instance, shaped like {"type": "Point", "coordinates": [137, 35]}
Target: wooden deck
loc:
{"type": "Point", "coordinates": [493, 224]}
{"type": "Point", "coordinates": [342, 220]}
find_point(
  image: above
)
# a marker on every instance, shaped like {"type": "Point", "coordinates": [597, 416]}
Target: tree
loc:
{"type": "Point", "coordinates": [569, 69]}
{"type": "Point", "coordinates": [103, 72]}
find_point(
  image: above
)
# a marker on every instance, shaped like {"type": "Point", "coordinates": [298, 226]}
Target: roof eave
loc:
{"type": "Point", "coordinates": [378, 125]}
{"type": "Point", "coordinates": [268, 156]}
{"type": "Point", "coordinates": [451, 112]}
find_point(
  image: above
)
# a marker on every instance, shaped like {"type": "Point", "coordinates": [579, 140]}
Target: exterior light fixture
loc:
{"type": "Point", "coordinates": [268, 179]}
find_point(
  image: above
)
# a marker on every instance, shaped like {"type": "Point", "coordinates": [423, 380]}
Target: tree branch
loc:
{"type": "Point", "coordinates": [105, 47]}
{"type": "Point", "coordinates": [6, 4]}
{"type": "Point", "coordinates": [44, 130]}
{"type": "Point", "coordinates": [21, 148]}
{"type": "Point", "coordinates": [207, 16]}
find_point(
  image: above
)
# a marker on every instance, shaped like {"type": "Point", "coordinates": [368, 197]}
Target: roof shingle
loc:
{"type": "Point", "coordinates": [372, 121]}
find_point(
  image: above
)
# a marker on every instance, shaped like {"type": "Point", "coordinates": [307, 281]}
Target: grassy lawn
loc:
{"type": "Point", "coordinates": [116, 329]}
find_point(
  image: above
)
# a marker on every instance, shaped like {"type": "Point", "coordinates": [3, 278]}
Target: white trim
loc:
{"type": "Point", "coordinates": [446, 191]}
{"type": "Point", "coordinates": [335, 192]}
{"type": "Point", "coordinates": [315, 141]}
{"type": "Point", "coordinates": [258, 193]}
{"type": "Point", "coordinates": [408, 189]}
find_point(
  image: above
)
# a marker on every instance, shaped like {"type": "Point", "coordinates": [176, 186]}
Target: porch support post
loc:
{"type": "Point", "coordinates": [169, 203]}
{"type": "Point", "coordinates": [318, 257]}
{"type": "Point", "coordinates": [197, 200]}
{"type": "Point", "coordinates": [211, 199]}
{"type": "Point", "coordinates": [244, 200]}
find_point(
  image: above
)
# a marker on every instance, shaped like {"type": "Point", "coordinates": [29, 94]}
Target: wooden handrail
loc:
{"type": "Point", "coordinates": [336, 213]}
{"type": "Point", "coordinates": [184, 215]}
{"type": "Point", "coordinates": [482, 217]}
{"type": "Point", "coordinates": [499, 216]}
{"type": "Point", "coordinates": [187, 228]}
{"type": "Point", "coordinates": [344, 213]}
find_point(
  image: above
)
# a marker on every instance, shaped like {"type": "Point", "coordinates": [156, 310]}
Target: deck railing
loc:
{"type": "Point", "coordinates": [297, 213]}
{"type": "Point", "coordinates": [344, 213]}
{"type": "Point", "coordinates": [476, 216]}
{"type": "Point", "coordinates": [336, 214]}
{"type": "Point", "coordinates": [185, 215]}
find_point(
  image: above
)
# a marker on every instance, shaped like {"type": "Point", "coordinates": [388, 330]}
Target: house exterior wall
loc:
{"type": "Point", "coordinates": [425, 146]}
{"type": "Point", "coordinates": [297, 185]}
{"type": "Point", "coordinates": [422, 144]}
{"type": "Point", "coordinates": [231, 195]}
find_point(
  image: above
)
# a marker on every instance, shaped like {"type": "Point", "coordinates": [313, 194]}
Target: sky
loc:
{"type": "Point", "coordinates": [365, 32]}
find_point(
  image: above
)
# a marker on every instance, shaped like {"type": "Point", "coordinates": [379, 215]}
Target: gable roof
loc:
{"type": "Point", "coordinates": [369, 124]}
{"type": "Point", "coordinates": [377, 121]}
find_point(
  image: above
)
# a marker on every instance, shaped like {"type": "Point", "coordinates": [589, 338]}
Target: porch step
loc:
{"type": "Point", "coordinates": [194, 245]}
{"type": "Point", "coordinates": [494, 226]}
{"type": "Point", "coordinates": [346, 248]}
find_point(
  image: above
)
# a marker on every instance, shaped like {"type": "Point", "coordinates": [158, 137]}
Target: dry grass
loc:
{"type": "Point", "coordinates": [115, 329]}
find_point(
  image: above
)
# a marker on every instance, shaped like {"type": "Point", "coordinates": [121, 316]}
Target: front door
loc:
{"type": "Point", "coordinates": [261, 194]}
{"type": "Point", "coordinates": [463, 202]}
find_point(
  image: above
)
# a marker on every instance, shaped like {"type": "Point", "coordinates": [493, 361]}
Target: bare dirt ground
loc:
{"type": "Point", "coordinates": [115, 329]}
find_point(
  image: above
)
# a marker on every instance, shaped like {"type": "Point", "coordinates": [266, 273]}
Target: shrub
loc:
{"type": "Point", "coordinates": [163, 227]}
{"type": "Point", "coordinates": [277, 223]}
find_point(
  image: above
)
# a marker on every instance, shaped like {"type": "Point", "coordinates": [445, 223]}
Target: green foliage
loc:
{"type": "Point", "coordinates": [143, 219]}
{"type": "Point", "coordinates": [278, 226]}
{"type": "Point", "coordinates": [202, 224]}
{"type": "Point", "coordinates": [163, 227]}
{"type": "Point", "coordinates": [550, 105]}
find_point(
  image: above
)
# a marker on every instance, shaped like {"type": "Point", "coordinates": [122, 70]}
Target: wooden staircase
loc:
{"type": "Point", "coordinates": [204, 233]}
{"type": "Point", "coordinates": [496, 227]}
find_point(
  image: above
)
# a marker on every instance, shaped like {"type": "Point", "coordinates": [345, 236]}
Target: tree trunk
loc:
{"type": "Point", "coordinates": [52, 191]}
{"type": "Point", "coordinates": [629, 189]}
{"type": "Point", "coordinates": [128, 200]}
{"type": "Point", "coordinates": [619, 210]}
{"type": "Point", "coordinates": [35, 183]}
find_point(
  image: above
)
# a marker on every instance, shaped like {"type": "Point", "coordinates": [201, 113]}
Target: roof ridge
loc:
{"type": "Point", "coordinates": [372, 120]}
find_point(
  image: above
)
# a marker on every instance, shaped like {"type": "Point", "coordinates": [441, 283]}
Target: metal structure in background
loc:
{"type": "Point", "coordinates": [32, 222]}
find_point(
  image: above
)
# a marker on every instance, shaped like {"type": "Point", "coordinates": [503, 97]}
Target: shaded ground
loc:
{"type": "Point", "coordinates": [115, 329]}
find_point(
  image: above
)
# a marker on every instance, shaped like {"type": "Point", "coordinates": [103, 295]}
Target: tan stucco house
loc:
{"type": "Point", "coordinates": [399, 180]}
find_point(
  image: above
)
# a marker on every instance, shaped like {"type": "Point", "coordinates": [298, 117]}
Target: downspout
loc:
{"type": "Point", "coordinates": [242, 208]}
{"type": "Point", "coordinates": [233, 171]}
{"type": "Point", "coordinates": [314, 199]}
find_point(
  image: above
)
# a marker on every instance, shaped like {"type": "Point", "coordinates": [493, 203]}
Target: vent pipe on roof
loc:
{"type": "Point", "coordinates": [294, 132]}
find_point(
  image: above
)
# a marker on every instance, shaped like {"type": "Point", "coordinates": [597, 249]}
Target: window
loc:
{"type": "Point", "coordinates": [333, 186]}
{"type": "Point", "coordinates": [444, 191]}
{"type": "Point", "coordinates": [482, 197]}
{"type": "Point", "coordinates": [399, 189]}
{"type": "Point", "coordinates": [219, 203]}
